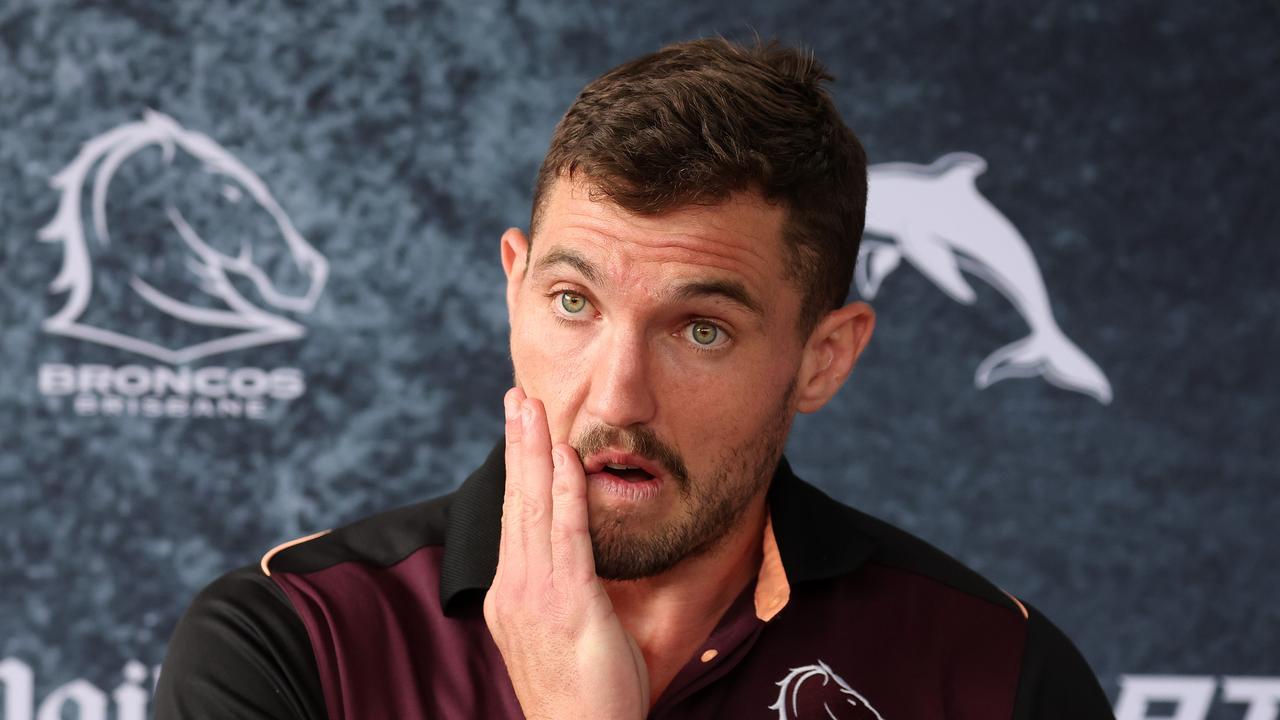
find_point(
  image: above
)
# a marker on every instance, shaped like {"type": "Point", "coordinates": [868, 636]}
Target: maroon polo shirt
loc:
{"type": "Point", "coordinates": [849, 617]}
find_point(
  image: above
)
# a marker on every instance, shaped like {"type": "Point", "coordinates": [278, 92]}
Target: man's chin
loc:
{"type": "Point", "coordinates": [626, 548]}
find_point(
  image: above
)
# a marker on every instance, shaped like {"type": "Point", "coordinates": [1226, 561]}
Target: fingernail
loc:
{"type": "Point", "coordinates": [526, 416]}
{"type": "Point", "coordinates": [509, 406]}
{"type": "Point", "coordinates": [557, 458]}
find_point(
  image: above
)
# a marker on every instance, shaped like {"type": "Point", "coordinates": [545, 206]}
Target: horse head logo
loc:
{"type": "Point", "coordinates": [214, 301]}
{"type": "Point", "coordinates": [815, 691]}
{"type": "Point", "coordinates": [935, 219]}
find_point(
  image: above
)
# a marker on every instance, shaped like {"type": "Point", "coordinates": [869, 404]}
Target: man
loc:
{"type": "Point", "coordinates": [638, 546]}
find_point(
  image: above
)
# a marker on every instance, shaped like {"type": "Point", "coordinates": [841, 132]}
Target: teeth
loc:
{"type": "Point", "coordinates": [612, 466]}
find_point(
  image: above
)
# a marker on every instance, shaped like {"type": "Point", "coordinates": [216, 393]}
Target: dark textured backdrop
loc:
{"type": "Point", "coordinates": [1134, 145]}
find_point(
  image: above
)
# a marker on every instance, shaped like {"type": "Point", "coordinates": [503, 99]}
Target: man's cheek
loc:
{"type": "Point", "coordinates": [719, 425]}
{"type": "Point", "coordinates": [554, 369]}
{"type": "Point", "coordinates": [532, 349]}
{"type": "Point", "coordinates": [558, 377]}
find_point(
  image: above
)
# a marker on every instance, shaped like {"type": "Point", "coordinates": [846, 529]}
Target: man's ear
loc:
{"type": "Point", "coordinates": [515, 256]}
{"type": "Point", "coordinates": [831, 352]}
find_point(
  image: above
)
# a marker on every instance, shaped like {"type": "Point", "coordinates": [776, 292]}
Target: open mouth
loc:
{"type": "Point", "coordinates": [625, 478]}
{"type": "Point", "coordinates": [629, 473]}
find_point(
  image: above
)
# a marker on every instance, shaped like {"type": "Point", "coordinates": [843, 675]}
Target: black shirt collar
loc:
{"type": "Point", "coordinates": [816, 535]}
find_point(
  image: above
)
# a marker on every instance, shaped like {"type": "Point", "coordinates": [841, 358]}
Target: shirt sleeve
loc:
{"type": "Point", "coordinates": [240, 651]}
{"type": "Point", "coordinates": [1056, 682]}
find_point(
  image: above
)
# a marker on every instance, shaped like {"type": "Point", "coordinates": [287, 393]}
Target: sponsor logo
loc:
{"type": "Point", "coordinates": [208, 286]}
{"type": "Point", "coordinates": [127, 702]}
{"type": "Point", "coordinates": [1191, 697]}
{"type": "Point", "coordinates": [933, 217]}
{"type": "Point", "coordinates": [815, 691]}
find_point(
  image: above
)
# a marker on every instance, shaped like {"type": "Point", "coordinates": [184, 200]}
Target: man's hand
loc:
{"type": "Point", "coordinates": [565, 649]}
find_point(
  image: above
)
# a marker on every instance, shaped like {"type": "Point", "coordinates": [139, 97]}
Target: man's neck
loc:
{"type": "Point", "coordinates": [671, 614]}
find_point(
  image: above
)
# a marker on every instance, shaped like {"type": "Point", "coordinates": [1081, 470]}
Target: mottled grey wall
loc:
{"type": "Point", "coordinates": [1133, 145]}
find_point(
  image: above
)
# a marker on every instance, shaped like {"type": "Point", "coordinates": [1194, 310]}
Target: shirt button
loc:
{"type": "Point", "coordinates": [710, 655]}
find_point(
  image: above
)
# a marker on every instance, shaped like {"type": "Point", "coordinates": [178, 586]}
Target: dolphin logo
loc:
{"type": "Point", "coordinates": [937, 220]}
{"type": "Point", "coordinates": [220, 306]}
{"type": "Point", "coordinates": [829, 698]}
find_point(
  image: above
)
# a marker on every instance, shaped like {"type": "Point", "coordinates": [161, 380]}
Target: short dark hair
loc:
{"type": "Point", "coordinates": [699, 120]}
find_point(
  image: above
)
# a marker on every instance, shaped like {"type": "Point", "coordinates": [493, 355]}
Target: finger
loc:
{"type": "Point", "coordinates": [510, 494]}
{"type": "Point", "coordinates": [571, 554]}
{"type": "Point", "coordinates": [535, 487]}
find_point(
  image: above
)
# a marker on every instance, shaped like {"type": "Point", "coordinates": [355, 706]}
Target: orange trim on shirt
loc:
{"type": "Point", "coordinates": [1025, 615]}
{"type": "Point", "coordinates": [773, 591]}
{"type": "Point", "coordinates": [285, 546]}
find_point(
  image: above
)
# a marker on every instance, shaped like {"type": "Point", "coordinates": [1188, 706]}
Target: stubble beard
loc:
{"type": "Point", "coordinates": [711, 506]}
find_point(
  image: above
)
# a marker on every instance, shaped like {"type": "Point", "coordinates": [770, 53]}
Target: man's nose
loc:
{"type": "Point", "coordinates": [621, 391]}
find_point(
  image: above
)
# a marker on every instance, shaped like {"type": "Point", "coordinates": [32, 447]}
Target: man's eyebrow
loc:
{"type": "Point", "coordinates": [731, 290]}
{"type": "Point", "coordinates": [561, 256]}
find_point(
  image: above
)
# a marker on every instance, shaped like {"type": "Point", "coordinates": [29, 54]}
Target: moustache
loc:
{"type": "Point", "coordinates": [638, 440]}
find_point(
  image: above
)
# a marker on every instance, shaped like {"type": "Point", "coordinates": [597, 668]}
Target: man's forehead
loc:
{"type": "Point", "coordinates": [738, 240]}
{"type": "Point", "coordinates": [673, 287]}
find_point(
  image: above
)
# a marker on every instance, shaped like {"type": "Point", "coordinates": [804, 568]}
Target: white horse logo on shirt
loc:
{"type": "Point", "coordinates": [815, 691]}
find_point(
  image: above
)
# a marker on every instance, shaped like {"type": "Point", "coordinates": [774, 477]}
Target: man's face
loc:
{"type": "Point", "coordinates": [666, 344]}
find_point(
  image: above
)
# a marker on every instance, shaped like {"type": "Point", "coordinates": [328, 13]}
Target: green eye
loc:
{"type": "Point", "coordinates": [572, 303]}
{"type": "Point", "coordinates": [704, 333]}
